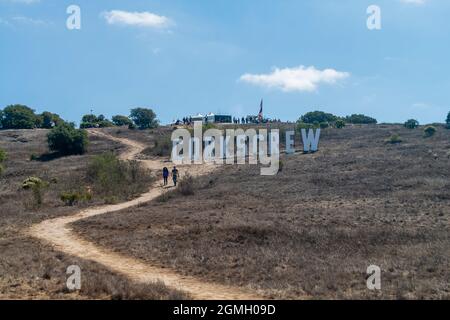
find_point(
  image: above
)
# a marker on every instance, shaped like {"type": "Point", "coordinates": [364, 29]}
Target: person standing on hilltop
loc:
{"type": "Point", "coordinates": [165, 175]}
{"type": "Point", "coordinates": [175, 176]}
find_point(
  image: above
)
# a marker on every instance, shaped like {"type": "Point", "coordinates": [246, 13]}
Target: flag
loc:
{"type": "Point", "coordinates": [260, 114]}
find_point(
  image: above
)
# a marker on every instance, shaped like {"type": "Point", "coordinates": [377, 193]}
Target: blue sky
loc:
{"type": "Point", "coordinates": [182, 57]}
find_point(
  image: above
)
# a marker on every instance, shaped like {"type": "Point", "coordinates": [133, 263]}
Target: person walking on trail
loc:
{"type": "Point", "coordinates": [175, 176]}
{"type": "Point", "coordinates": [165, 175]}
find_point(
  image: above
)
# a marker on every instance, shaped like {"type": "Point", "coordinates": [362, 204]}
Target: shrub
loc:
{"type": "Point", "coordinates": [186, 186]}
{"type": "Point", "coordinates": [340, 124]}
{"type": "Point", "coordinates": [37, 186]}
{"type": "Point", "coordinates": [394, 139]}
{"type": "Point", "coordinates": [411, 124]}
{"type": "Point", "coordinates": [163, 146]}
{"type": "Point", "coordinates": [2, 155]}
{"type": "Point", "coordinates": [71, 198]}
{"type": "Point", "coordinates": [360, 119]}
{"type": "Point", "coordinates": [144, 118]}
{"type": "Point", "coordinates": [67, 140]}
{"type": "Point", "coordinates": [303, 125]}
{"type": "Point", "coordinates": [429, 131]}
{"type": "Point", "coordinates": [114, 179]}
{"type": "Point", "coordinates": [318, 117]}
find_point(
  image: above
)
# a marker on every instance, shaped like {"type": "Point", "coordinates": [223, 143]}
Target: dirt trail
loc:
{"type": "Point", "coordinates": [58, 233]}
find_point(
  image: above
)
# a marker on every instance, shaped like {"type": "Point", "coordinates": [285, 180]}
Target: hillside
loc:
{"type": "Point", "coordinates": [312, 230]}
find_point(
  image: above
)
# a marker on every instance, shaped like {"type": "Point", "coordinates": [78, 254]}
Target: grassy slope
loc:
{"type": "Point", "coordinates": [30, 269]}
{"type": "Point", "coordinates": [314, 228]}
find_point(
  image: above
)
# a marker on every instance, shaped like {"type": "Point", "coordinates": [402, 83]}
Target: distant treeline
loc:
{"type": "Point", "coordinates": [22, 117]}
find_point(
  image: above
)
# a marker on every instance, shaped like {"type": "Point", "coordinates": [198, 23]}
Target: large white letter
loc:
{"type": "Point", "coordinates": [374, 279]}
{"type": "Point", "coordinates": [374, 20]}
{"type": "Point", "coordinates": [74, 280]}
{"type": "Point", "coordinates": [310, 141]}
{"type": "Point", "coordinates": [74, 20]}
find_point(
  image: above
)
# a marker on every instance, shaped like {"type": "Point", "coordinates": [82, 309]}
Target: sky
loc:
{"type": "Point", "coordinates": [183, 57]}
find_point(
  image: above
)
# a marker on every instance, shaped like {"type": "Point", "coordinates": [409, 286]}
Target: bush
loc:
{"type": "Point", "coordinates": [340, 124]}
{"type": "Point", "coordinates": [360, 119]}
{"type": "Point", "coordinates": [163, 146]}
{"type": "Point", "coordinates": [2, 159]}
{"type": "Point", "coordinates": [37, 186]}
{"type": "Point", "coordinates": [318, 117]}
{"type": "Point", "coordinates": [93, 121]}
{"type": "Point", "coordinates": [394, 139]}
{"type": "Point", "coordinates": [429, 131]}
{"type": "Point", "coordinates": [411, 124]}
{"type": "Point", "coordinates": [114, 179]}
{"type": "Point", "coordinates": [72, 198]}
{"type": "Point", "coordinates": [67, 140]}
{"type": "Point", "coordinates": [144, 118]}
{"type": "Point", "coordinates": [186, 186]}
{"type": "Point", "coordinates": [2, 155]}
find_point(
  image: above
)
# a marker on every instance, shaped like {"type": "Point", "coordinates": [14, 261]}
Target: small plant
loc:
{"type": "Point", "coordinates": [394, 139]}
{"type": "Point", "coordinates": [34, 157]}
{"type": "Point", "coordinates": [163, 146]}
{"type": "Point", "coordinates": [37, 186]}
{"type": "Point", "coordinates": [411, 124]}
{"type": "Point", "coordinates": [2, 159]}
{"type": "Point", "coordinates": [429, 131]}
{"type": "Point", "coordinates": [340, 124]}
{"type": "Point", "coordinates": [72, 198]}
{"type": "Point", "coordinates": [186, 186]}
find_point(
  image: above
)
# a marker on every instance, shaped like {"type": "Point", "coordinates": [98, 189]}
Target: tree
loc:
{"type": "Point", "coordinates": [92, 121]}
{"type": "Point", "coordinates": [318, 117]}
{"type": "Point", "coordinates": [50, 120]}
{"type": "Point", "coordinates": [340, 124]}
{"type": "Point", "coordinates": [18, 116]}
{"type": "Point", "coordinates": [411, 124]}
{"type": "Point", "coordinates": [67, 140]}
{"type": "Point", "coordinates": [144, 118]}
{"type": "Point", "coordinates": [448, 121]}
{"type": "Point", "coordinates": [360, 119]}
{"type": "Point", "coordinates": [121, 120]}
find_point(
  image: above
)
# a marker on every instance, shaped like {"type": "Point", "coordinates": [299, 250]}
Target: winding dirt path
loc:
{"type": "Point", "coordinates": [57, 232]}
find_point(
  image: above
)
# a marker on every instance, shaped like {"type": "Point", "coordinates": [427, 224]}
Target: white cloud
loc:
{"type": "Point", "coordinates": [418, 2]}
{"type": "Point", "coordinates": [295, 79]}
{"type": "Point", "coordinates": [141, 19]}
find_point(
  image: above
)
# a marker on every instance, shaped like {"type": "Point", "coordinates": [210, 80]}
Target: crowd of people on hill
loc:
{"type": "Point", "coordinates": [187, 121]}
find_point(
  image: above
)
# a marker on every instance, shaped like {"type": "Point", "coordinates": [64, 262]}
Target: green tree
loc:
{"type": "Point", "coordinates": [340, 124]}
{"type": "Point", "coordinates": [144, 118]}
{"type": "Point", "coordinates": [360, 119]}
{"type": "Point", "coordinates": [448, 121]}
{"type": "Point", "coordinates": [18, 117]}
{"type": "Point", "coordinates": [121, 120]}
{"type": "Point", "coordinates": [67, 140]}
{"type": "Point", "coordinates": [50, 120]}
{"type": "Point", "coordinates": [318, 117]}
{"type": "Point", "coordinates": [411, 124]}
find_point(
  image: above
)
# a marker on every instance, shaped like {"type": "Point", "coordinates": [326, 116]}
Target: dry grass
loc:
{"type": "Point", "coordinates": [30, 269]}
{"type": "Point", "coordinates": [313, 229]}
